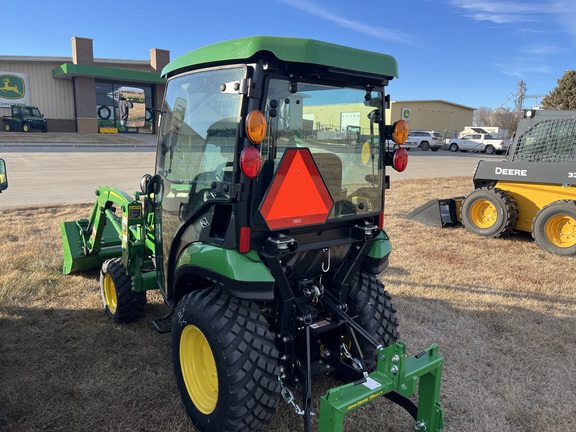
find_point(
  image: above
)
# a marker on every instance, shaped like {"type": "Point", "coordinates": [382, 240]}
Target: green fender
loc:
{"type": "Point", "coordinates": [377, 259]}
{"type": "Point", "coordinates": [241, 275]}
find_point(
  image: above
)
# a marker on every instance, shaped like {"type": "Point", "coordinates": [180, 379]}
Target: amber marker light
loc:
{"type": "Point", "coordinates": [256, 126]}
{"type": "Point", "coordinates": [400, 134]}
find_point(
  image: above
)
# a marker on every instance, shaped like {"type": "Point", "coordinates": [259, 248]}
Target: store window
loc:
{"type": "Point", "coordinates": [107, 107]}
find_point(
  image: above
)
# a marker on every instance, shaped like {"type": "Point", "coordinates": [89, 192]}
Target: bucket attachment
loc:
{"type": "Point", "coordinates": [438, 212]}
{"type": "Point", "coordinates": [396, 377]}
{"type": "Point", "coordinates": [76, 255]}
{"type": "Point", "coordinates": [87, 243]}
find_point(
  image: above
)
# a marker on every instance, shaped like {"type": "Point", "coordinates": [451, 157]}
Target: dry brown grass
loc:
{"type": "Point", "coordinates": [502, 310]}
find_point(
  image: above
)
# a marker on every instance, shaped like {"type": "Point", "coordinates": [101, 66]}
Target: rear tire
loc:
{"type": "Point", "coordinates": [7, 127]}
{"type": "Point", "coordinates": [25, 127]}
{"type": "Point", "coordinates": [424, 146]}
{"type": "Point", "coordinates": [554, 228]}
{"type": "Point", "coordinates": [225, 362]}
{"type": "Point", "coordinates": [490, 150]}
{"type": "Point", "coordinates": [489, 212]}
{"type": "Point", "coordinates": [121, 304]}
{"type": "Point", "coordinates": [370, 305]}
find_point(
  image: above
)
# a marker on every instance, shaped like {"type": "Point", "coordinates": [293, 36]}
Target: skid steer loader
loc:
{"type": "Point", "coordinates": [263, 229]}
{"type": "Point", "coordinates": [533, 190]}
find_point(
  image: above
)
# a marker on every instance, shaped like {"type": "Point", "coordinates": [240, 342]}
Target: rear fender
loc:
{"type": "Point", "coordinates": [377, 258]}
{"type": "Point", "coordinates": [242, 275]}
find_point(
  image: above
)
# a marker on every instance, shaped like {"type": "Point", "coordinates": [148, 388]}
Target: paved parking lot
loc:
{"type": "Point", "coordinates": [48, 173]}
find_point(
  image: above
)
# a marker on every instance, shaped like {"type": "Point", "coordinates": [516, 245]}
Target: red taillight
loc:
{"type": "Point", "coordinates": [400, 159]}
{"type": "Point", "coordinates": [250, 162]}
{"type": "Point", "coordinates": [381, 221]}
{"type": "Point", "coordinates": [244, 244]}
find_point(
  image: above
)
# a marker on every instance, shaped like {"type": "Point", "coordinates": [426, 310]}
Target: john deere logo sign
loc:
{"type": "Point", "coordinates": [406, 112]}
{"type": "Point", "coordinates": [12, 87]}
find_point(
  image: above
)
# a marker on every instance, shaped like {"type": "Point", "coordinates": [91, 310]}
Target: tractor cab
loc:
{"type": "Point", "coordinates": [258, 148]}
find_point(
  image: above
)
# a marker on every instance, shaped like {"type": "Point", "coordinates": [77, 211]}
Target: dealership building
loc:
{"type": "Point", "coordinates": [81, 94]}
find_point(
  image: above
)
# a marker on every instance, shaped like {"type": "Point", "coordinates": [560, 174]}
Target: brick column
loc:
{"type": "Point", "coordinates": [158, 59]}
{"type": "Point", "coordinates": [84, 87]}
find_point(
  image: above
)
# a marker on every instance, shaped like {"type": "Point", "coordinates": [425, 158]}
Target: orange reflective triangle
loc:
{"type": "Point", "coordinates": [297, 195]}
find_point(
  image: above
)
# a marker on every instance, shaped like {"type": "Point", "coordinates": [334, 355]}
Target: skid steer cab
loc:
{"type": "Point", "coordinates": [533, 190]}
{"type": "Point", "coordinates": [263, 229]}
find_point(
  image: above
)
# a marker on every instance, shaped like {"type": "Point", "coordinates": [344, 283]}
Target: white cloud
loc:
{"type": "Point", "coordinates": [356, 26]}
{"type": "Point", "coordinates": [523, 69]}
{"type": "Point", "coordinates": [540, 49]}
{"type": "Point", "coordinates": [499, 12]}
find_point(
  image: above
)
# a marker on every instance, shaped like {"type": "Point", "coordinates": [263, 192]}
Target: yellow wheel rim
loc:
{"type": "Point", "coordinates": [110, 296]}
{"type": "Point", "coordinates": [198, 369]}
{"type": "Point", "coordinates": [365, 152]}
{"type": "Point", "coordinates": [561, 231]}
{"type": "Point", "coordinates": [483, 214]}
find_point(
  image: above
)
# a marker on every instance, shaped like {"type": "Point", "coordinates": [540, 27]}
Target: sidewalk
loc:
{"type": "Point", "coordinates": [22, 139]}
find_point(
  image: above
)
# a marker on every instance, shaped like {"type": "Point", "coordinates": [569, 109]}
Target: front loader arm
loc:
{"type": "Point", "coordinates": [89, 242]}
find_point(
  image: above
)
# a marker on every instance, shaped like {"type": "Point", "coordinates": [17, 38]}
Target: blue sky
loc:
{"type": "Point", "coordinates": [470, 52]}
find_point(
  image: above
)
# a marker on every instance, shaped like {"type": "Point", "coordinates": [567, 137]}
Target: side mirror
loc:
{"type": "Point", "coordinates": [154, 189]}
{"type": "Point", "coordinates": [3, 176]}
{"type": "Point", "coordinates": [131, 107]}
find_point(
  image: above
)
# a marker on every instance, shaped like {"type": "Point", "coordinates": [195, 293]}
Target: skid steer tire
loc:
{"type": "Point", "coordinates": [370, 305]}
{"type": "Point", "coordinates": [225, 362]}
{"type": "Point", "coordinates": [121, 304]}
{"type": "Point", "coordinates": [489, 212]}
{"type": "Point", "coordinates": [554, 228]}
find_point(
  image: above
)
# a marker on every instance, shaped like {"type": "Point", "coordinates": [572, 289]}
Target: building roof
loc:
{"type": "Point", "coordinates": [434, 101]}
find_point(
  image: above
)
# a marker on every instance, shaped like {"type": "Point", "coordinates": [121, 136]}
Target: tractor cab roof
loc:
{"type": "Point", "coordinates": [292, 50]}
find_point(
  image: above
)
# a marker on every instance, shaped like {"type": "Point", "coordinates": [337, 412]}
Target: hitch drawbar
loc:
{"type": "Point", "coordinates": [394, 374]}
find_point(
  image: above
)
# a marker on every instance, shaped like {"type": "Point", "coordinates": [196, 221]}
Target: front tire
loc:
{"type": "Point", "coordinates": [554, 228]}
{"type": "Point", "coordinates": [489, 212]}
{"type": "Point", "coordinates": [454, 147]}
{"type": "Point", "coordinates": [370, 305]}
{"type": "Point", "coordinates": [225, 362]}
{"type": "Point", "coordinates": [121, 304]}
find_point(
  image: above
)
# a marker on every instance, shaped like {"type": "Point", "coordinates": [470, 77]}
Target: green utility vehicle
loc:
{"type": "Point", "coordinates": [533, 190]}
{"type": "Point", "coordinates": [24, 118]}
{"type": "Point", "coordinates": [263, 230]}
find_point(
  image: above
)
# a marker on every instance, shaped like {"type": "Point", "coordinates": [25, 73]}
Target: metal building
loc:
{"type": "Point", "coordinates": [80, 93]}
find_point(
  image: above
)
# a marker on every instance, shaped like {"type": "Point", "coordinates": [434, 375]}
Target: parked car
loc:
{"type": "Point", "coordinates": [484, 143]}
{"type": "Point", "coordinates": [424, 140]}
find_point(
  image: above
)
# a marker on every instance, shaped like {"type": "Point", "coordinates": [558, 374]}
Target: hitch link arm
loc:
{"type": "Point", "coordinates": [394, 373]}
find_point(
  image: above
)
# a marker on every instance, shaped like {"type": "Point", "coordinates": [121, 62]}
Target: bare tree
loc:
{"type": "Point", "coordinates": [500, 117]}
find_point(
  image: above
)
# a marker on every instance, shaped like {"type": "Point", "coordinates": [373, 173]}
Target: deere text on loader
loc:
{"type": "Point", "coordinates": [263, 230]}
{"type": "Point", "coordinates": [533, 190]}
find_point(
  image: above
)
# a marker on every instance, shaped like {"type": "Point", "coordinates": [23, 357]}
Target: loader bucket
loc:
{"type": "Point", "coordinates": [438, 212]}
{"type": "Point", "coordinates": [73, 244]}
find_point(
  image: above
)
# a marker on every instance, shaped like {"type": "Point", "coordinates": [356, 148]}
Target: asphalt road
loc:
{"type": "Point", "coordinates": [42, 174]}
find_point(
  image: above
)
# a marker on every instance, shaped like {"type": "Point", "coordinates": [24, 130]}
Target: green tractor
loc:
{"type": "Point", "coordinates": [263, 231]}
